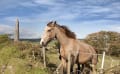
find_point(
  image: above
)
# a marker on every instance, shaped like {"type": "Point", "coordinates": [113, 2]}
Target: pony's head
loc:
{"type": "Point", "coordinates": [48, 34]}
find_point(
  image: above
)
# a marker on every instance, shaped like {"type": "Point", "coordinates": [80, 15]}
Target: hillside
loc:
{"type": "Point", "coordinates": [18, 58]}
{"type": "Point", "coordinates": [25, 57]}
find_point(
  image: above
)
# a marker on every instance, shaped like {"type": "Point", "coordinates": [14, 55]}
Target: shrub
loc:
{"type": "Point", "coordinates": [4, 38]}
{"type": "Point", "coordinates": [103, 40]}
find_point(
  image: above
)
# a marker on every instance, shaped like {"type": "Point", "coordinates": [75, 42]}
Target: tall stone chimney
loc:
{"type": "Point", "coordinates": [16, 38]}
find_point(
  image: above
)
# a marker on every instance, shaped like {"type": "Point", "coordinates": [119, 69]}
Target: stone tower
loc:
{"type": "Point", "coordinates": [16, 38]}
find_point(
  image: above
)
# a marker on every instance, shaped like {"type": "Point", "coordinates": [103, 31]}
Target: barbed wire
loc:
{"type": "Point", "coordinates": [57, 71]}
{"type": "Point", "coordinates": [89, 53]}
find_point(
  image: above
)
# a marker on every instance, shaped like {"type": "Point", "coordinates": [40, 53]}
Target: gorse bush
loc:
{"type": "Point", "coordinates": [103, 40]}
{"type": "Point", "coordinates": [29, 50]}
{"type": "Point", "coordinates": [22, 57]}
{"type": "Point", "coordinates": [4, 38]}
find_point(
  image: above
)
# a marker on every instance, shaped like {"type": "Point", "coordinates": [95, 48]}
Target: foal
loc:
{"type": "Point", "coordinates": [80, 53]}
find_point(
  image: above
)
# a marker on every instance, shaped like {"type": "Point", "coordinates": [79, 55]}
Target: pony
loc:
{"type": "Point", "coordinates": [80, 52]}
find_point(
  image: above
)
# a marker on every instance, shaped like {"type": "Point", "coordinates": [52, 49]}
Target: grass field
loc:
{"type": "Point", "coordinates": [18, 58]}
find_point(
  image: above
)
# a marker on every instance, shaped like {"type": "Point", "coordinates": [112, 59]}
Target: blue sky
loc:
{"type": "Point", "coordinates": [81, 16]}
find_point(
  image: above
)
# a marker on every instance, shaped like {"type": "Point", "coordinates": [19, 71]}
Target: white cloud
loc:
{"type": "Point", "coordinates": [45, 2]}
{"type": "Point", "coordinates": [63, 11]}
{"type": "Point", "coordinates": [6, 29]}
{"type": "Point", "coordinates": [113, 16]}
{"type": "Point", "coordinates": [100, 10]}
{"type": "Point", "coordinates": [69, 16]}
{"type": "Point", "coordinates": [22, 19]}
{"type": "Point", "coordinates": [115, 5]}
{"type": "Point", "coordinates": [28, 4]}
{"type": "Point", "coordinates": [118, 28]}
{"type": "Point", "coordinates": [8, 4]}
{"type": "Point", "coordinates": [26, 33]}
{"type": "Point", "coordinates": [12, 19]}
{"type": "Point", "coordinates": [96, 1]}
{"type": "Point", "coordinates": [114, 28]}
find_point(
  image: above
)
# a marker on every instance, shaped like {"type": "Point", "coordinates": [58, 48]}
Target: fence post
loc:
{"type": "Point", "coordinates": [69, 63]}
{"type": "Point", "coordinates": [33, 54]}
{"type": "Point", "coordinates": [57, 70]}
{"type": "Point", "coordinates": [16, 38]}
{"type": "Point", "coordinates": [11, 69]}
{"type": "Point", "coordinates": [102, 64]}
{"type": "Point", "coordinates": [44, 57]}
{"type": "Point", "coordinates": [111, 65]}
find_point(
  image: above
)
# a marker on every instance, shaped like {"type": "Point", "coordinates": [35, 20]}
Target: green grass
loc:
{"type": "Point", "coordinates": [108, 63]}
{"type": "Point", "coordinates": [18, 58]}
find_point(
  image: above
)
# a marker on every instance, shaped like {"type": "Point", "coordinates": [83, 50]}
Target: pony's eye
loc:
{"type": "Point", "coordinates": [49, 30]}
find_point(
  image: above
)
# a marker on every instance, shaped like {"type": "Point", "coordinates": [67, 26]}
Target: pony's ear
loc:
{"type": "Point", "coordinates": [51, 24]}
{"type": "Point", "coordinates": [54, 24]}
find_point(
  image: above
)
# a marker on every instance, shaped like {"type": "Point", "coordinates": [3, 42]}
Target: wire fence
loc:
{"type": "Point", "coordinates": [104, 64]}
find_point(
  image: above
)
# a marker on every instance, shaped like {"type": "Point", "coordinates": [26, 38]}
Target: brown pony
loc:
{"type": "Point", "coordinates": [80, 52]}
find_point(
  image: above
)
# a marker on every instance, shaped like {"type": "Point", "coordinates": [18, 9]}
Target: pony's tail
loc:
{"type": "Point", "coordinates": [95, 57]}
{"type": "Point", "coordinates": [96, 54]}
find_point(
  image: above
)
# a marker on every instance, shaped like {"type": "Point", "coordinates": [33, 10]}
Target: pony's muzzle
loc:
{"type": "Point", "coordinates": [42, 42]}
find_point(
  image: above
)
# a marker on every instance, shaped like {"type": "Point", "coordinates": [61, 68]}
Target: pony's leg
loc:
{"type": "Point", "coordinates": [93, 65]}
{"type": "Point", "coordinates": [72, 60]}
{"type": "Point", "coordinates": [64, 65]}
{"type": "Point", "coordinates": [79, 69]}
{"type": "Point", "coordinates": [72, 65]}
{"type": "Point", "coordinates": [94, 62]}
{"type": "Point", "coordinates": [93, 69]}
{"type": "Point", "coordinates": [71, 69]}
{"type": "Point", "coordinates": [83, 69]}
{"type": "Point", "coordinates": [89, 69]}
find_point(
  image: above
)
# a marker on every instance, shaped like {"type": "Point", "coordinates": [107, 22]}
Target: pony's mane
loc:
{"type": "Point", "coordinates": [68, 32]}
{"type": "Point", "coordinates": [50, 24]}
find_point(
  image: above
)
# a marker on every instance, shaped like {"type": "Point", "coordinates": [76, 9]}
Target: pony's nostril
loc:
{"type": "Point", "coordinates": [42, 43]}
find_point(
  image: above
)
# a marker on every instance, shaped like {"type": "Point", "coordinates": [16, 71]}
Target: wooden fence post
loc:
{"type": "Point", "coordinates": [111, 65]}
{"type": "Point", "coordinates": [33, 54]}
{"type": "Point", "coordinates": [44, 57]}
{"type": "Point", "coordinates": [57, 70]}
{"type": "Point", "coordinates": [16, 38]}
{"type": "Point", "coordinates": [102, 64]}
{"type": "Point", "coordinates": [11, 69]}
